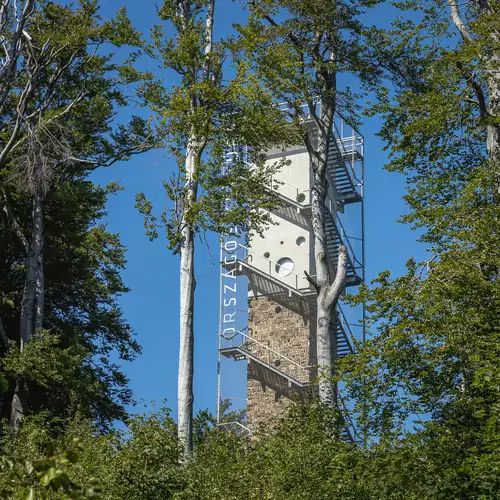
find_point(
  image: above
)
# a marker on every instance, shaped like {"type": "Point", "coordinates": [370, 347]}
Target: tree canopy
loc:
{"type": "Point", "coordinates": [425, 385]}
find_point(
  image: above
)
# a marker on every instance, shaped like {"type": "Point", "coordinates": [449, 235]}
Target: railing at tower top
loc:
{"type": "Point", "coordinates": [348, 139]}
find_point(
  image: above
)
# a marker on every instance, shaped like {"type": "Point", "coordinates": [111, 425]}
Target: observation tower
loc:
{"type": "Point", "coordinates": [267, 331]}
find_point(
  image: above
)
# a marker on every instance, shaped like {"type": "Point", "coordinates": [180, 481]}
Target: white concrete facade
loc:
{"type": "Point", "coordinates": [285, 250]}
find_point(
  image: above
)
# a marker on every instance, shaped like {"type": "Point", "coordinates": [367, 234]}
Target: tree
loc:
{"type": "Point", "coordinates": [62, 75]}
{"type": "Point", "coordinates": [429, 378]}
{"type": "Point", "coordinates": [299, 50]}
{"type": "Point", "coordinates": [204, 116]}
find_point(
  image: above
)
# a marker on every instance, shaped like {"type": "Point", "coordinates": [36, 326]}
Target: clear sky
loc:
{"type": "Point", "coordinates": [152, 307]}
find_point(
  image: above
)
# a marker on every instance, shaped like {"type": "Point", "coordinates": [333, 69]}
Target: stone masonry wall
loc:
{"type": "Point", "coordinates": [281, 338]}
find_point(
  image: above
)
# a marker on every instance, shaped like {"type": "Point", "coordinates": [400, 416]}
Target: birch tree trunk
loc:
{"type": "Point", "coordinates": [493, 125]}
{"type": "Point", "coordinates": [187, 286]}
{"type": "Point", "coordinates": [489, 101]}
{"type": "Point", "coordinates": [328, 291]}
{"type": "Point", "coordinates": [195, 147]}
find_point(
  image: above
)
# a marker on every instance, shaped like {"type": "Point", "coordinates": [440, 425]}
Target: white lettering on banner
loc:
{"type": "Point", "coordinates": [230, 302]}
{"type": "Point", "coordinates": [230, 274]}
{"type": "Point", "coordinates": [230, 246]}
{"type": "Point", "coordinates": [229, 255]}
{"type": "Point", "coordinates": [229, 317]}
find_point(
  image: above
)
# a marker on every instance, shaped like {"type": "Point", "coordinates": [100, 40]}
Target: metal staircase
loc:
{"type": "Point", "coordinates": [300, 214]}
{"type": "Point", "coordinates": [334, 239]}
{"type": "Point", "coordinates": [293, 292]}
{"type": "Point", "coordinates": [340, 171]}
{"type": "Point", "coordinates": [285, 384]}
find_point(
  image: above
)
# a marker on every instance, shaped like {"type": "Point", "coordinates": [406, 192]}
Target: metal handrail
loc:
{"type": "Point", "coordinates": [235, 423]}
{"type": "Point", "coordinates": [347, 153]}
{"type": "Point", "coordinates": [251, 339]}
{"type": "Point", "coordinates": [345, 324]}
{"type": "Point", "coordinates": [343, 237]}
{"type": "Point", "coordinates": [345, 414]}
{"type": "Point", "coordinates": [251, 253]}
{"type": "Point", "coordinates": [289, 184]}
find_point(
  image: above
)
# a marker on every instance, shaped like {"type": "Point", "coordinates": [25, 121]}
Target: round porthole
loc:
{"type": "Point", "coordinates": [284, 267]}
{"type": "Point", "coordinates": [267, 255]}
{"type": "Point", "coordinates": [301, 197]}
{"type": "Point", "coordinates": [300, 241]}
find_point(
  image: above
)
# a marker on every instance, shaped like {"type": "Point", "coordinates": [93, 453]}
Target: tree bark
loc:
{"type": "Point", "coordinates": [185, 397]}
{"type": "Point", "coordinates": [328, 291]}
{"type": "Point", "coordinates": [31, 307]}
{"type": "Point", "coordinates": [490, 107]}
{"type": "Point", "coordinates": [34, 275]}
{"type": "Point", "coordinates": [3, 336]}
{"type": "Point", "coordinates": [493, 107]}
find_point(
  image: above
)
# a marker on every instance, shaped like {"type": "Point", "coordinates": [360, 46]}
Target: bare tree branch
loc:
{"type": "Point", "coordinates": [312, 281]}
{"type": "Point", "coordinates": [336, 288]}
{"type": "Point", "coordinates": [7, 210]}
{"type": "Point", "coordinates": [457, 20]}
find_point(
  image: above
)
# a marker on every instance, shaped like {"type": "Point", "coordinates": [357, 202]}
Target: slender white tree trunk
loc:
{"type": "Point", "coordinates": [187, 286]}
{"type": "Point", "coordinates": [324, 315]}
{"type": "Point", "coordinates": [185, 398]}
{"type": "Point", "coordinates": [328, 291]}
{"type": "Point", "coordinates": [493, 129]}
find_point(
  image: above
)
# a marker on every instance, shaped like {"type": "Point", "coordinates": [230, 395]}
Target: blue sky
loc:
{"type": "Point", "coordinates": [152, 307]}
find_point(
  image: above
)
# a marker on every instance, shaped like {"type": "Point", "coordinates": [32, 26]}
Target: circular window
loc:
{"type": "Point", "coordinates": [301, 197]}
{"type": "Point", "coordinates": [300, 241]}
{"type": "Point", "coordinates": [267, 255]}
{"type": "Point", "coordinates": [284, 267]}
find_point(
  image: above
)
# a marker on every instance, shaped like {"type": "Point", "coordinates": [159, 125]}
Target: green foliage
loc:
{"type": "Point", "coordinates": [68, 131]}
{"type": "Point", "coordinates": [301, 51]}
{"type": "Point", "coordinates": [139, 462]}
{"type": "Point", "coordinates": [83, 321]}
{"type": "Point", "coordinates": [210, 114]}
{"type": "Point", "coordinates": [44, 478]}
{"type": "Point", "coordinates": [428, 379]}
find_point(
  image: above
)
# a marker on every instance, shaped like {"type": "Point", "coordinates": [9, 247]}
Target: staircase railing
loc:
{"type": "Point", "coordinates": [248, 339]}
{"type": "Point", "coordinates": [347, 241]}
{"type": "Point", "coordinates": [345, 325]}
{"type": "Point", "coordinates": [346, 153]}
{"type": "Point", "coordinates": [347, 417]}
{"type": "Point", "coordinates": [344, 238]}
